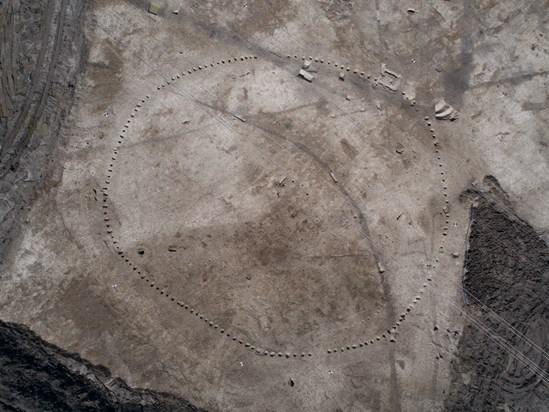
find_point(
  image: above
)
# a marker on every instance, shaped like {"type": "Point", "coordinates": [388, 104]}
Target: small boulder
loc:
{"type": "Point", "coordinates": [443, 111]}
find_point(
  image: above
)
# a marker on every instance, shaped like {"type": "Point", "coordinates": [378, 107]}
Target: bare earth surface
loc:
{"type": "Point", "coordinates": [217, 227]}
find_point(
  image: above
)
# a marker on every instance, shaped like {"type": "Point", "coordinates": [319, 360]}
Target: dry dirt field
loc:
{"type": "Point", "coordinates": [215, 226]}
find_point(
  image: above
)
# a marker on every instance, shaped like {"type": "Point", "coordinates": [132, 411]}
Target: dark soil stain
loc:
{"type": "Point", "coordinates": [348, 148]}
{"type": "Point", "coordinates": [457, 81]}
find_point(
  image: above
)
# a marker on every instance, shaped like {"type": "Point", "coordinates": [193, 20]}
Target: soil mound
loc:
{"type": "Point", "coordinates": [503, 354]}
{"type": "Point", "coordinates": [38, 376]}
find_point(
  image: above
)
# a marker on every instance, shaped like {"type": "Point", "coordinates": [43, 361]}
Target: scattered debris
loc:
{"type": "Point", "coordinates": [333, 177]}
{"type": "Point", "coordinates": [389, 79]}
{"type": "Point", "coordinates": [307, 76]}
{"type": "Point", "coordinates": [405, 218]}
{"type": "Point", "coordinates": [153, 9]}
{"type": "Point", "coordinates": [384, 70]}
{"type": "Point", "coordinates": [241, 118]}
{"type": "Point", "coordinates": [443, 111]}
{"type": "Point", "coordinates": [380, 267]}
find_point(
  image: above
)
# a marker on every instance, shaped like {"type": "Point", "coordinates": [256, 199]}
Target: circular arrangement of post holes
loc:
{"type": "Point", "coordinates": [389, 335]}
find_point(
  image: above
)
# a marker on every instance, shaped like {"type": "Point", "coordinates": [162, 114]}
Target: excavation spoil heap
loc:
{"type": "Point", "coordinates": [37, 376]}
{"type": "Point", "coordinates": [503, 352]}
